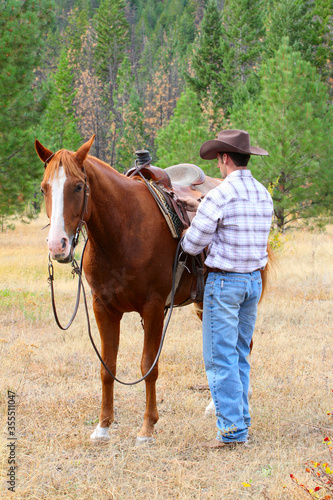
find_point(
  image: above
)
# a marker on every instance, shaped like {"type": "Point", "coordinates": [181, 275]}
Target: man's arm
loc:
{"type": "Point", "coordinates": [204, 225]}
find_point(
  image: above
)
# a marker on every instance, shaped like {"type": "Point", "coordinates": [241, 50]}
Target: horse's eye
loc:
{"type": "Point", "coordinates": [42, 191]}
{"type": "Point", "coordinates": [78, 188]}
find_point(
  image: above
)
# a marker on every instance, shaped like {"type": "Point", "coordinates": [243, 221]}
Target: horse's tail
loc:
{"type": "Point", "coordinates": [271, 263]}
{"type": "Point", "coordinates": [198, 309]}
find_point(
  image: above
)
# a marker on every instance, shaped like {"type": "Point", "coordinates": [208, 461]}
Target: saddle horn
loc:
{"type": "Point", "coordinates": [143, 157]}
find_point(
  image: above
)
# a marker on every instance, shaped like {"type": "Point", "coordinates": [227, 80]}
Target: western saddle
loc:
{"type": "Point", "coordinates": [184, 179]}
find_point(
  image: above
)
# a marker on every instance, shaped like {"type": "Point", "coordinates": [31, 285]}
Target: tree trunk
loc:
{"type": "Point", "coordinates": [279, 214]}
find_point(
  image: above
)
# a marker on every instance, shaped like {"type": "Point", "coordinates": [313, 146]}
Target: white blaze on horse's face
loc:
{"type": "Point", "coordinates": [59, 242]}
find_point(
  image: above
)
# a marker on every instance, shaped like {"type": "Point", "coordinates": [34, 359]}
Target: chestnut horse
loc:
{"type": "Point", "coordinates": [128, 259]}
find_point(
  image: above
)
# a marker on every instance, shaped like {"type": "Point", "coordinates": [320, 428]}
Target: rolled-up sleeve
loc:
{"type": "Point", "coordinates": [204, 225]}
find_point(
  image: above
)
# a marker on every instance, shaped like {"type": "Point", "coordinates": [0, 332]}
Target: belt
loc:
{"type": "Point", "coordinates": [216, 270]}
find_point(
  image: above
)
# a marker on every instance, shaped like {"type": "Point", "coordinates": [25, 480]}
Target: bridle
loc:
{"type": "Point", "coordinates": [77, 270]}
{"type": "Point", "coordinates": [81, 222]}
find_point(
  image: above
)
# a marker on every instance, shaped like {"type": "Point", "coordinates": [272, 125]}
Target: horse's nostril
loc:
{"type": "Point", "coordinates": [63, 242]}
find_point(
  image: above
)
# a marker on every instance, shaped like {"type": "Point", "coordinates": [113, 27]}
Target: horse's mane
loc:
{"type": "Point", "coordinates": [66, 159]}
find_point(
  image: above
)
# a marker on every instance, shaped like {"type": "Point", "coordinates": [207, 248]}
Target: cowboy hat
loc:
{"type": "Point", "coordinates": [230, 141]}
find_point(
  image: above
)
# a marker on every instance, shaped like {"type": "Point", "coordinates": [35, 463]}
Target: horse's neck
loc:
{"type": "Point", "coordinates": [112, 201]}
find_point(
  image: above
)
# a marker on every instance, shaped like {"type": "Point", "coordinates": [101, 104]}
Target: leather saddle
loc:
{"type": "Point", "coordinates": [184, 179]}
{"type": "Point", "coordinates": [188, 179]}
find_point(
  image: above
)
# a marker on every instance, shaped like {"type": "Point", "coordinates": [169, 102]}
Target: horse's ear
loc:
{"type": "Point", "coordinates": [82, 152]}
{"type": "Point", "coordinates": [42, 152]}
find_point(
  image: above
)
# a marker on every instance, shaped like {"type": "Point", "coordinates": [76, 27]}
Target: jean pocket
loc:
{"type": "Point", "coordinates": [233, 291]}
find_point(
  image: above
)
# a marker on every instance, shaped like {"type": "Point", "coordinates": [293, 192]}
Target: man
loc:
{"type": "Point", "coordinates": [233, 221]}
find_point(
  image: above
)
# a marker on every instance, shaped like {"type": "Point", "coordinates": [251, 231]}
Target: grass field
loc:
{"type": "Point", "coordinates": [55, 377]}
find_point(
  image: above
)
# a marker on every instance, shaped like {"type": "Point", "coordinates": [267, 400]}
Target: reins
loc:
{"type": "Point", "coordinates": [163, 333]}
{"type": "Point", "coordinates": [78, 270]}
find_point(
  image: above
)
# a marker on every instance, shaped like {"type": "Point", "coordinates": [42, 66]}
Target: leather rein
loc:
{"type": "Point", "coordinates": [77, 270]}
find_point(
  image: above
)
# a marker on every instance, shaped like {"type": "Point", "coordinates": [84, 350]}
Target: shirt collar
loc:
{"type": "Point", "coordinates": [239, 173]}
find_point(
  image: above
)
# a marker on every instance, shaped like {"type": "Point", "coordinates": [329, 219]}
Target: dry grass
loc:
{"type": "Point", "coordinates": [56, 378]}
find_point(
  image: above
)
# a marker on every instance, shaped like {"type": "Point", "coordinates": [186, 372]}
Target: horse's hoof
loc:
{"type": "Point", "coordinates": [144, 440]}
{"type": "Point", "coordinates": [210, 409]}
{"type": "Point", "coordinates": [100, 434]}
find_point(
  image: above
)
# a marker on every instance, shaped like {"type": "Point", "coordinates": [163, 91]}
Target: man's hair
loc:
{"type": "Point", "coordinates": [239, 159]}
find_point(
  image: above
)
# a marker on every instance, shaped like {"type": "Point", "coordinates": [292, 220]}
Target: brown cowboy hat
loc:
{"type": "Point", "coordinates": [230, 141]}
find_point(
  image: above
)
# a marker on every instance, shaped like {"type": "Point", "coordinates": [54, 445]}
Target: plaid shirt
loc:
{"type": "Point", "coordinates": [234, 221]}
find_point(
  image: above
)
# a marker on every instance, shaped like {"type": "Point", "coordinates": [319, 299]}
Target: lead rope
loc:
{"type": "Point", "coordinates": [78, 270]}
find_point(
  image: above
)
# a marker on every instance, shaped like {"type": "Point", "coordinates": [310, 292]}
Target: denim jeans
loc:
{"type": "Point", "coordinates": [229, 316]}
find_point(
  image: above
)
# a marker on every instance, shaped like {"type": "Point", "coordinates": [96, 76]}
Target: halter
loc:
{"type": "Point", "coordinates": [46, 162]}
{"type": "Point", "coordinates": [84, 210]}
{"type": "Point", "coordinates": [76, 268]}
{"type": "Point", "coordinates": [75, 239]}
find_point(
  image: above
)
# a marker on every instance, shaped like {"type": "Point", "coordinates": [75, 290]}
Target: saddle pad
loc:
{"type": "Point", "coordinates": [185, 174]}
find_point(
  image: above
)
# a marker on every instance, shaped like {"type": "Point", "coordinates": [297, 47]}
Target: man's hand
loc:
{"type": "Point", "coordinates": [190, 203]}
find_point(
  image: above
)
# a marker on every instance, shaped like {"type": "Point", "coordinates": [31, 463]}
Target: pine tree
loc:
{"type": "Point", "coordinates": [88, 102]}
{"type": "Point", "coordinates": [112, 31]}
{"type": "Point", "coordinates": [306, 24]}
{"type": "Point", "coordinates": [180, 140]}
{"type": "Point", "coordinates": [133, 135]}
{"type": "Point", "coordinates": [211, 73]}
{"type": "Point", "coordinates": [59, 126]}
{"type": "Point", "coordinates": [293, 122]}
{"type": "Point", "coordinates": [78, 22]}
{"type": "Point", "coordinates": [176, 23]}
{"type": "Point", "coordinates": [323, 58]}
{"type": "Point", "coordinates": [160, 99]}
{"type": "Point", "coordinates": [244, 32]}
{"type": "Point", "coordinates": [22, 27]}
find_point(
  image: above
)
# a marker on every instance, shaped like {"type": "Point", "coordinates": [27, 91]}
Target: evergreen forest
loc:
{"type": "Point", "coordinates": [166, 75]}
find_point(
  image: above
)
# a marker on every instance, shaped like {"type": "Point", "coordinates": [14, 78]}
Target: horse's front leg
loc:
{"type": "Point", "coordinates": [153, 317]}
{"type": "Point", "coordinates": [109, 328]}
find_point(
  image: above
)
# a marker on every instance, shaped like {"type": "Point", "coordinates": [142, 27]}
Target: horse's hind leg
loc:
{"type": "Point", "coordinates": [109, 329]}
{"type": "Point", "coordinates": [153, 317]}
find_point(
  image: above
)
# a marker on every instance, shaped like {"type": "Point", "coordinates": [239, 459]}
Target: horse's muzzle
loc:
{"type": "Point", "coordinates": [61, 259]}
{"type": "Point", "coordinates": [61, 251]}
{"type": "Point", "coordinates": [66, 260]}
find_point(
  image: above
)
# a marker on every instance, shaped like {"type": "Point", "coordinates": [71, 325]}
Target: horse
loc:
{"type": "Point", "coordinates": [128, 260]}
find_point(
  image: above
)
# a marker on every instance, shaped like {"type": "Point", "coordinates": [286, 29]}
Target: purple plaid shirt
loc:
{"type": "Point", "coordinates": [234, 221]}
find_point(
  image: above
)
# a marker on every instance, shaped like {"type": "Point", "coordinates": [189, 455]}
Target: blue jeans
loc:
{"type": "Point", "coordinates": [229, 316]}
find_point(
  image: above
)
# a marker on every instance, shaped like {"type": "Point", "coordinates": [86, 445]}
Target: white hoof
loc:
{"type": "Point", "coordinates": [144, 440]}
{"type": "Point", "coordinates": [210, 409]}
{"type": "Point", "coordinates": [100, 434]}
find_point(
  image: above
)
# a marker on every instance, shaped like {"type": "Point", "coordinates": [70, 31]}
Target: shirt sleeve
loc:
{"type": "Point", "coordinates": [204, 225]}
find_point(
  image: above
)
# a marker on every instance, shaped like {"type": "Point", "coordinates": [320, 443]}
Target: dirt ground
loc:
{"type": "Point", "coordinates": [55, 390]}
